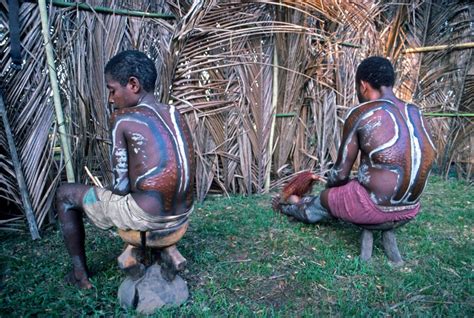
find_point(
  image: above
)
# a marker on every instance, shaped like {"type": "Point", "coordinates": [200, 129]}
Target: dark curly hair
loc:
{"type": "Point", "coordinates": [132, 63]}
{"type": "Point", "coordinates": [377, 71]}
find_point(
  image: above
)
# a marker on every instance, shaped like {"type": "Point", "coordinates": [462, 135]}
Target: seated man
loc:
{"type": "Point", "coordinates": [152, 161]}
{"type": "Point", "coordinates": [396, 155]}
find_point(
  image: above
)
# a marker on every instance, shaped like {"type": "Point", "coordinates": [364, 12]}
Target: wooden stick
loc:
{"type": "Point", "coordinates": [25, 197]}
{"type": "Point", "coordinates": [94, 180]}
{"type": "Point", "coordinates": [422, 49]}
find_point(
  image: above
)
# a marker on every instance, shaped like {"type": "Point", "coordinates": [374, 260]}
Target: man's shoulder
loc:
{"type": "Point", "coordinates": [127, 113]}
{"type": "Point", "coordinates": [144, 108]}
{"type": "Point", "coordinates": [413, 107]}
{"type": "Point", "coordinates": [367, 107]}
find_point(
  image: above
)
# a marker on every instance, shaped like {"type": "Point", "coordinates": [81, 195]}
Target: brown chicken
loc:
{"type": "Point", "coordinates": [298, 186]}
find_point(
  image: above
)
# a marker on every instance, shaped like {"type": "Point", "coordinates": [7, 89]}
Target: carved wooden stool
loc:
{"type": "Point", "coordinates": [162, 244]}
{"type": "Point", "coordinates": [389, 240]}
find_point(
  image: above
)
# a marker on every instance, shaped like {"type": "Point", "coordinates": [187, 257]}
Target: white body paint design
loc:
{"type": "Point", "coordinates": [415, 159]}
{"type": "Point", "coordinates": [389, 143]}
{"type": "Point", "coordinates": [374, 198]}
{"type": "Point", "coordinates": [333, 174]}
{"type": "Point", "coordinates": [182, 151]}
{"type": "Point", "coordinates": [351, 133]}
{"type": "Point", "coordinates": [426, 132]}
{"type": "Point", "coordinates": [138, 139]}
{"type": "Point", "coordinates": [121, 169]}
{"type": "Point", "coordinates": [414, 147]}
{"type": "Point", "coordinates": [363, 175]}
{"type": "Point", "coordinates": [122, 120]}
{"type": "Point", "coordinates": [175, 132]}
{"type": "Point", "coordinates": [370, 127]}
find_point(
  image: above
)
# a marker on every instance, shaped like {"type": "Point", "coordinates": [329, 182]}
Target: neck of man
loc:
{"type": "Point", "coordinates": [146, 97]}
{"type": "Point", "coordinates": [386, 93]}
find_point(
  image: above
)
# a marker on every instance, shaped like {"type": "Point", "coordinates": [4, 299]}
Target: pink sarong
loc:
{"type": "Point", "coordinates": [351, 202]}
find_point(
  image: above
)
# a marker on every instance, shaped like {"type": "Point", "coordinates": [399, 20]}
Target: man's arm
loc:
{"type": "Point", "coordinates": [121, 184]}
{"type": "Point", "coordinates": [347, 154]}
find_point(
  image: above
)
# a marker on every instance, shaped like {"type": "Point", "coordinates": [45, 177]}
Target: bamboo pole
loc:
{"type": "Point", "coordinates": [449, 114]}
{"type": "Point", "coordinates": [25, 198]}
{"type": "Point", "coordinates": [130, 13]}
{"type": "Point", "coordinates": [272, 129]}
{"type": "Point", "coordinates": [55, 87]}
{"type": "Point", "coordinates": [468, 45]}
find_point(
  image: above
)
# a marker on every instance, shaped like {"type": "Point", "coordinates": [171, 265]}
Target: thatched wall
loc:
{"type": "Point", "coordinates": [264, 85]}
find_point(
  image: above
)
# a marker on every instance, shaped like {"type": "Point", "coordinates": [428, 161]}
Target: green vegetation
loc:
{"type": "Point", "coordinates": [245, 260]}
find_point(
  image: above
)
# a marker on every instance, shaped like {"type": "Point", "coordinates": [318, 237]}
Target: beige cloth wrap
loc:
{"type": "Point", "coordinates": [106, 210]}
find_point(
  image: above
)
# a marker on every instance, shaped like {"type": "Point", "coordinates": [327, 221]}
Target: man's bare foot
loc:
{"type": "Point", "coordinates": [82, 283]}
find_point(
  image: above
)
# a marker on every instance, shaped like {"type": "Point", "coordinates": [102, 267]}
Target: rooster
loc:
{"type": "Point", "coordinates": [296, 188]}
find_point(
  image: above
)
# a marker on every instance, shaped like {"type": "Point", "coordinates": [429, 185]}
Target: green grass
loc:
{"type": "Point", "coordinates": [245, 260]}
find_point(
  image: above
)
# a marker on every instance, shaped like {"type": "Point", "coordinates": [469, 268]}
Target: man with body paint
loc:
{"type": "Point", "coordinates": [152, 162]}
{"type": "Point", "coordinates": [396, 155]}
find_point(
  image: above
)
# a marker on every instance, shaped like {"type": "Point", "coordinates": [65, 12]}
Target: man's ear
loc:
{"type": "Point", "coordinates": [363, 86]}
{"type": "Point", "coordinates": [134, 84]}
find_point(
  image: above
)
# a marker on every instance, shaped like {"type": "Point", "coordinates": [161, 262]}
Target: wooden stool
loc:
{"type": "Point", "coordinates": [389, 240]}
{"type": "Point", "coordinates": [163, 249]}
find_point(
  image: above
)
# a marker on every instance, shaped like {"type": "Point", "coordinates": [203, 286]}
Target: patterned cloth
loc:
{"type": "Point", "coordinates": [106, 210]}
{"type": "Point", "coordinates": [352, 203]}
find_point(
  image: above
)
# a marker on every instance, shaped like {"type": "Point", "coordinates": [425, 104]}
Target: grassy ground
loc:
{"type": "Point", "coordinates": [245, 260]}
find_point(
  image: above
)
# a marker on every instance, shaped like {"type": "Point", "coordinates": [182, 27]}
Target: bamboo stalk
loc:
{"type": "Point", "coordinates": [55, 87]}
{"type": "Point", "coordinates": [272, 129]}
{"type": "Point", "coordinates": [284, 115]}
{"type": "Point", "coordinates": [131, 13]}
{"type": "Point", "coordinates": [449, 114]}
{"type": "Point", "coordinates": [25, 198]}
{"type": "Point", "coordinates": [468, 45]}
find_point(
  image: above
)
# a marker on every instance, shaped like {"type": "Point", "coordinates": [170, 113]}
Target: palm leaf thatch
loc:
{"type": "Point", "coordinates": [444, 78]}
{"type": "Point", "coordinates": [264, 85]}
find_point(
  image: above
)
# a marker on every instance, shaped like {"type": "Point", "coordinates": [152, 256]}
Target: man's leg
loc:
{"type": "Point", "coordinates": [69, 206]}
{"type": "Point", "coordinates": [307, 210]}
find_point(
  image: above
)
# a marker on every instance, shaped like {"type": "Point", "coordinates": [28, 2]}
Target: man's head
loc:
{"type": "Point", "coordinates": [129, 75]}
{"type": "Point", "coordinates": [373, 73]}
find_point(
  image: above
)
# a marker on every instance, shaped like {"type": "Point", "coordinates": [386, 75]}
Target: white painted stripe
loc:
{"type": "Point", "coordinates": [114, 142]}
{"type": "Point", "coordinates": [122, 120]}
{"type": "Point", "coordinates": [365, 103]}
{"type": "Point", "coordinates": [389, 143]}
{"type": "Point", "coordinates": [181, 148]}
{"type": "Point", "coordinates": [425, 131]}
{"type": "Point", "coordinates": [351, 133]}
{"type": "Point", "coordinates": [415, 155]}
{"type": "Point", "coordinates": [173, 135]}
{"type": "Point", "coordinates": [415, 158]}
{"type": "Point", "coordinates": [146, 174]}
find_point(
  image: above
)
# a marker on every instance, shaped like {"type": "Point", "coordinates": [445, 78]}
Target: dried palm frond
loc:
{"type": "Point", "coordinates": [219, 63]}
{"type": "Point", "coordinates": [443, 76]}
{"type": "Point", "coordinates": [30, 115]}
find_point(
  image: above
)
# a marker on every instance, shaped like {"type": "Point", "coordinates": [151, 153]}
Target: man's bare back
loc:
{"type": "Point", "coordinates": [396, 150]}
{"type": "Point", "coordinates": [396, 155]}
{"type": "Point", "coordinates": [157, 170]}
{"type": "Point", "coordinates": [152, 162]}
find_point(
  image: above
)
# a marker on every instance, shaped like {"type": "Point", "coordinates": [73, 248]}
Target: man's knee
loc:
{"type": "Point", "coordinates": [71, 194]}
{"type": "Point", "coordinates": [313, 210]}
